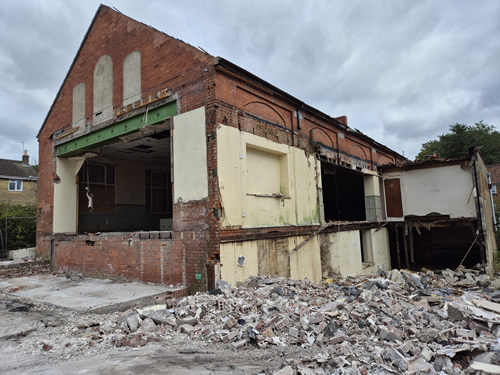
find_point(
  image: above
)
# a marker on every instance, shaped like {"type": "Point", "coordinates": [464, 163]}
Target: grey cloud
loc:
{"type": "Point", "coordinates": [402, 71]}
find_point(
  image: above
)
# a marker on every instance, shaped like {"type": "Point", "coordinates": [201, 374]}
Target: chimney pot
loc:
{"type": "Point", "coordinates": [26, 158]}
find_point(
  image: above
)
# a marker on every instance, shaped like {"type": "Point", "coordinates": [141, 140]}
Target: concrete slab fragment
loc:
{"type": "Point", "coordinates": [86, 294]}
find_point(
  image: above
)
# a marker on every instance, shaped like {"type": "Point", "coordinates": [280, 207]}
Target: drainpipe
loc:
{"type": "Point", "coordinates": [492, 203]}
{"type": "Point", "coordinates": [472, 153]}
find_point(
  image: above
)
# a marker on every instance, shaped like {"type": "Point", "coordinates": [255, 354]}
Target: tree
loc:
{"type": "Point", "coordinates": [21, 226]}
{"type": "Point", "coordinates": [456, 142]}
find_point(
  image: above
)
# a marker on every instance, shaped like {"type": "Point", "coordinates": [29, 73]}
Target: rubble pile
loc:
{"type": "Point", "coordinates": [398, 322]}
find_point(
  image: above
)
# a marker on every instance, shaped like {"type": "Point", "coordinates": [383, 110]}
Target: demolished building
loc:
{"type": "Point", "coordinates": [162, 163]}
{"type": "Point", "coordinates": [441, 212]}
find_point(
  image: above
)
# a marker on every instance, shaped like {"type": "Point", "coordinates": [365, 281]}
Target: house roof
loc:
{"type": "Point", "coordinates": [16, 169]}
{"type": "Point", "coordinates": [494, 170]}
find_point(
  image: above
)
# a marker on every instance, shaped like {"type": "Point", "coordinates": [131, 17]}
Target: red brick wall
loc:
{"type": "Point", "coordinates": [165, 63]}
{"type": "Point", "coordinates": [241, 104]}
{"type": "Point", "coordinates": [141, 255]}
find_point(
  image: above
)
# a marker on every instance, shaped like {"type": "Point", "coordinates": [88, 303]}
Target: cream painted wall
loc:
{"type": "Point", "coordinates": [229, 253]}
{"type": "Point", "coordinates": [262, 255]}
{"type": "Point", "coordinates": [130, 186]}
{"type": "Point", "coordinates": [306, 261]}
{"type": "Point", "coordinates": [344, 256]}
{"type": "Point", "coordinates": [376, 242]}
{"type": "Point", "coordinates": [65, 195]}
{"type": "Point", "coordinates": [345, 252]}
{"type": "Point", "coordinates": [446, 190]}
{"type": "Point", "coordinates": [372, 185]}
{"type": "Point", "coordinates": [248, 164]}
{"type": "Point", "coordinates": [259, 163]}
{"type": "Point", "coordinates": [306, 181]}
{"type": "Point", "coordinates": [190, 156]}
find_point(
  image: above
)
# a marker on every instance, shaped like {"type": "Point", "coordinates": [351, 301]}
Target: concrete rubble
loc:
{"type": "Point", "coordinates": [400, 322]}
{"type": "Point", "coordinates": [442, 322]}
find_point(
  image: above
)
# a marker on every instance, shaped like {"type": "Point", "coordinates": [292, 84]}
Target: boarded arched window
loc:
{"type": "Point", "coordinates": [132, 78]}
{"type": "Point", "coordinates": [103, 90]}
{"type": "Point", "coordinates": [78, 104]}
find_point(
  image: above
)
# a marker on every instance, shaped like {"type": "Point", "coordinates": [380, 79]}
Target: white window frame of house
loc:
{"type": "Point", "coordinates": [15, 185]}
{"type": "Point", "coordinates": [494, 189]}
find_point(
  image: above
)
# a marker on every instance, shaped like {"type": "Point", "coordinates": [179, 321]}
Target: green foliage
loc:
{"type": "Point", "coordinates": [21, 225]}
{"type": "Point", "coordinates": [456, 142]}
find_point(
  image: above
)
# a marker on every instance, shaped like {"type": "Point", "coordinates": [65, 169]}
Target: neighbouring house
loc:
{"type": "Point", "coordinates": [162, 163]}
{"type": "Point", "coordinates": [18, 181]}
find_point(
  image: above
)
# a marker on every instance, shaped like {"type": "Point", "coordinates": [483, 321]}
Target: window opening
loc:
{"type": "Point", "coordinates": [343, 193]}
{"type": "Point", "coordinates": [158, 192]}
{"type": "Point", "coordinates": [15, 185]}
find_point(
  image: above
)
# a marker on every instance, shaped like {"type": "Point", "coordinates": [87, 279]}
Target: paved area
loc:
{"type": "Point", "coordinates": [87, 294]}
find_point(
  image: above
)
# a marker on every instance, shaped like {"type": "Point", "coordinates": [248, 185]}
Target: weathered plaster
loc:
{"type": "Point", "coordinates": [132, 78]}
{"type": "Point", "coordinates": [190, 156]}
{"type": "Point", "coordinates": [103, 90]}
{"type": "Point", "coordinates": [78, 118]}
{"type": "Point", "coordinates": [271, 257]}
{"type": "Point", "coordinates": [249, 165]}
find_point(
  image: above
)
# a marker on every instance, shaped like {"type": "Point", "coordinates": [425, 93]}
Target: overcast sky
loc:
{"type": "Point", "coordinates": [401, 71]}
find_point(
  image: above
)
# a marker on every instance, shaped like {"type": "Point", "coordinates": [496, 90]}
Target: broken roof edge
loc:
{"type": "Point", "coordinates": [220, 62]}
{"type": "Point", "coordinates": [85, 37]}
{"type": "Point", "coordinates": [421, 164]}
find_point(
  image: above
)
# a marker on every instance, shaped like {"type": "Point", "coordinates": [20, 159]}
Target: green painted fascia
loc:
{"type": "Point", "coordinates": [110, 133]}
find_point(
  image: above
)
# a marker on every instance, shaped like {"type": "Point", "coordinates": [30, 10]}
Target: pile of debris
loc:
{"type": "Point", "coordinates": [25, 267]}
{"type": "Point", "coordinates": [425, 322]}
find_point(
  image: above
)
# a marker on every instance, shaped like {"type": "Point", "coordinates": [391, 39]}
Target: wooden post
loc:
{"type": "Point", "coordinates": [405, 232]}
{"type": "Point", "coordinates": [396, 234]}
{"type": "Point", "coordinates": [412, 250]}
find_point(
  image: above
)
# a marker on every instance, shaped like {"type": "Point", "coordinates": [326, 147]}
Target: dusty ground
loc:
{"type": "Point", "coordinates": [37, 339]}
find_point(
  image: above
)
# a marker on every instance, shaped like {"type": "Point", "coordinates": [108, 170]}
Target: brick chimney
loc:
{"type": "Point", "coordinates": [342, 120]}
{"type": "Point", "coordinates": [26, 158]}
